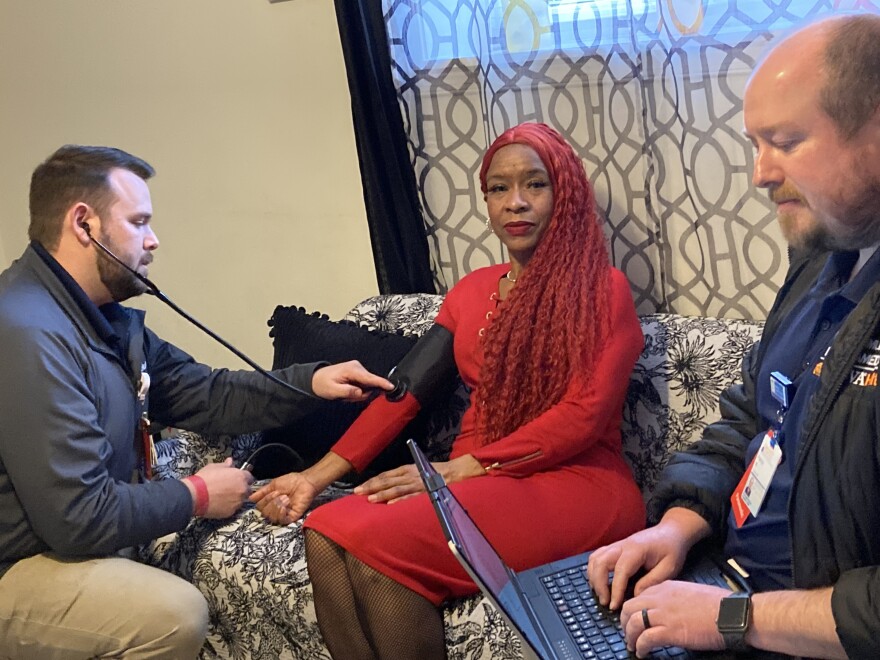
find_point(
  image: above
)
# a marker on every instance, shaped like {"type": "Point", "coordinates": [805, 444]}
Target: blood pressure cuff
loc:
{"type": "Point", "coordinates": [428, 370]}
{"type": "Point", "coordinates": [425, 375]}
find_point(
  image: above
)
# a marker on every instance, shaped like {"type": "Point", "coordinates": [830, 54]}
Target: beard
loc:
{"type": "Point", "coordinates": [800, 228]}
{"type": "Point", "coordinates": [121, 284]}
{"type": "Point", "coordinates": [862, 218]}
{"type": "Point", "coordinates": [806, 228]}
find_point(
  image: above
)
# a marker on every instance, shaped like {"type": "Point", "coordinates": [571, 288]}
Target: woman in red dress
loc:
{"type": "Point", "coordinates": [546, 344]}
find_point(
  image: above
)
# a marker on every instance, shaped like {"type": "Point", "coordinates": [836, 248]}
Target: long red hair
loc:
{"type": "Point", "coordinates": [555, 319]}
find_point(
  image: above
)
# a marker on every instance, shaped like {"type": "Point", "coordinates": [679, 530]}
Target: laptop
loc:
{"type": "Point", "coordinates": [551, 607]}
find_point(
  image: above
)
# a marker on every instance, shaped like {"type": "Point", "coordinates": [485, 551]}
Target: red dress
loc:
{"type": "Point", "coordinates": [560, 485]}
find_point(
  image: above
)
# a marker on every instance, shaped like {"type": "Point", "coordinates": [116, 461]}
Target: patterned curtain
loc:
{"type": "Point", "coordinates": [649, 93]}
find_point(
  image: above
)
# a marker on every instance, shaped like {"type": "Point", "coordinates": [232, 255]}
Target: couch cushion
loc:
{"type": "Point", "coordinates": [411, 313]}
{"type": "Point", "coordinates": [674, 388]}
{"type": "Point", "coordinates": [182, 453]}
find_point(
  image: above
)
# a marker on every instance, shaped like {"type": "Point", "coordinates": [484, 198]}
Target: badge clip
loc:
{"type": "Point", "coordinates": [781, 391]}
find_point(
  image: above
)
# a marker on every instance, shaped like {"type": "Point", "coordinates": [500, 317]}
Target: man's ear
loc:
{"type": "Point", "coordinates": [82, 220]}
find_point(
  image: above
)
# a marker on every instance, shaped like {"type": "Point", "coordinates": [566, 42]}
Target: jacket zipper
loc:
{"type": "Point", "coordinates": [516, 461]}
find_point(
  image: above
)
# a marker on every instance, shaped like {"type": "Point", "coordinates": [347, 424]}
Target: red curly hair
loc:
{"type": "Point", "coordinates": [555, 319]}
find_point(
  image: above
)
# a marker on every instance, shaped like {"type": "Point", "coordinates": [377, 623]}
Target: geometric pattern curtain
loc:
{"type": "Point", "coordinates": [649, 93]}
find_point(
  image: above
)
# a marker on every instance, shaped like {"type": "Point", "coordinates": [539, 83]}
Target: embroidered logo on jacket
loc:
{"type": "Point", "coordinates": [864, 371]}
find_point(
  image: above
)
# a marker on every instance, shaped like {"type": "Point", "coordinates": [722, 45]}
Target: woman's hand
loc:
{"type": "Point", "coordinates": [400, 483]}
{"type": "Point", "coordinates": [285, 499]}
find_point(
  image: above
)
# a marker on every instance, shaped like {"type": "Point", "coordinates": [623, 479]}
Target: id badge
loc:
{"type": "Point", "coordinates": [752, 488]}
{"type": "Point", "coordinates": [143, 387]}
{"type": "Point", "coordinates": [151, 457]}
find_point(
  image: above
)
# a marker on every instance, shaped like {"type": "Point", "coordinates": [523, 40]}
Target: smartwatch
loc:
{"type": "Point", "coordinates": [734, 616]}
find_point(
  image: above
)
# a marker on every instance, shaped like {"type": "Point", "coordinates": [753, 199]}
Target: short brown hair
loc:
{"type": "Point", "coordinates": [74, 173]}
{"type": "Point", "coordinates": [852, 67]}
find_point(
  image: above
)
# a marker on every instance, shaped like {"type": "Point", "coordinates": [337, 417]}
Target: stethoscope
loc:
{"type": "Point", "coordinates": [154, 290]}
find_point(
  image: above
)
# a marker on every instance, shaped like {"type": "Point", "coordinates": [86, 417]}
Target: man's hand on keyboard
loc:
{"type": "Point", "coordinates": [680, 614]}
{"type": "Point", "coordinates": [659, 551]}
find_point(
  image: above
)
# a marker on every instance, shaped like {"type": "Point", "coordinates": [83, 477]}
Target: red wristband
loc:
{"type": "Point", "coordinates": [202, 499]}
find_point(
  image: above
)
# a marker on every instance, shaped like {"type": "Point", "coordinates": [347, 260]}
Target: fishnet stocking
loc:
{"type": "Point", "coordinates": [364, 614]}
{"type": "Point", "coordinates": [335, 604]}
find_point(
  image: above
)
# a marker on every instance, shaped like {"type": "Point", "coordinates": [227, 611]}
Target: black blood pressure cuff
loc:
{"type": "Point", "coordinates": [428, 370]}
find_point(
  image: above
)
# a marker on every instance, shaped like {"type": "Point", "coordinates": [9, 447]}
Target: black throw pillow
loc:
{"type": "Point", "coordinates": [298, 337]}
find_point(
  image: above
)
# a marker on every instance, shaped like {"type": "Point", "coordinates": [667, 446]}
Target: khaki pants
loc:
{"type": "Point", "coordinates": [106, 608]}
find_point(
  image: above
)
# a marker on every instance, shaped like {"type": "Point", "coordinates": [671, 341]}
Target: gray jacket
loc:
{"type": "Point", "coordinates": [69, 413]}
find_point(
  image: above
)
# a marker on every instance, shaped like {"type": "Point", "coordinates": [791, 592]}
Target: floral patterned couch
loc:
{"type": "Point", "coordinates": [254, 575]}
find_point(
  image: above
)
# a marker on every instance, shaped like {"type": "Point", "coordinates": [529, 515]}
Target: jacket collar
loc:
{"type": "Point", "coordinates": [97, 324]}
{"type": "Point", "coordinates": [90, 311]}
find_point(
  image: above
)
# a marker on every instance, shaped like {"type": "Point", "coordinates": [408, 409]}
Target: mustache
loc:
{"type": "Point", "coordinates": [784, 193]}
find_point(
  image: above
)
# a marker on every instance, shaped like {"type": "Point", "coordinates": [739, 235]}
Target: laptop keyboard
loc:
{"type": "Point", "coordinates": [596, 629]}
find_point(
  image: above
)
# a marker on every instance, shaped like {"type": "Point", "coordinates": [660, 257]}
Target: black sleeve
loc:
{"type": "Point", "coordinates": [856, 610]}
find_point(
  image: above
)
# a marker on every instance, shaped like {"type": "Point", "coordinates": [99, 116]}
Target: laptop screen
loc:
{"type": "Point", "coordinates": [474, 547]}
{"type": "Point", "coordinates": [477, 555]}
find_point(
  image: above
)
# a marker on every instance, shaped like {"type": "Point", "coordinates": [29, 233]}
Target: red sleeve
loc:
{"type": "Point", "coordinates": [383, 420]}
{"type": "Point", "coordinates": [471, 289]}
{"type": "Point", "coordinates": [375, 428]}
{"type": "Point", "coordinates": [587, 414]}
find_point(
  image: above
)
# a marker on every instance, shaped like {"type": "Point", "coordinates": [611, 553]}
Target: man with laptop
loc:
{"type": "Point", "coordinates": [788, 481]}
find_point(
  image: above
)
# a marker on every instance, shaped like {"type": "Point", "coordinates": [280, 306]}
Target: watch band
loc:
{"type": "Point", "coordinates": [734, 618]}
{"type": "Point", "coordinates": [735, 641]}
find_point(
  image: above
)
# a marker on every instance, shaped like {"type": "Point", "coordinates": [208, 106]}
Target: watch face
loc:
{"type": "Point", "coordinates": [734, 613]}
